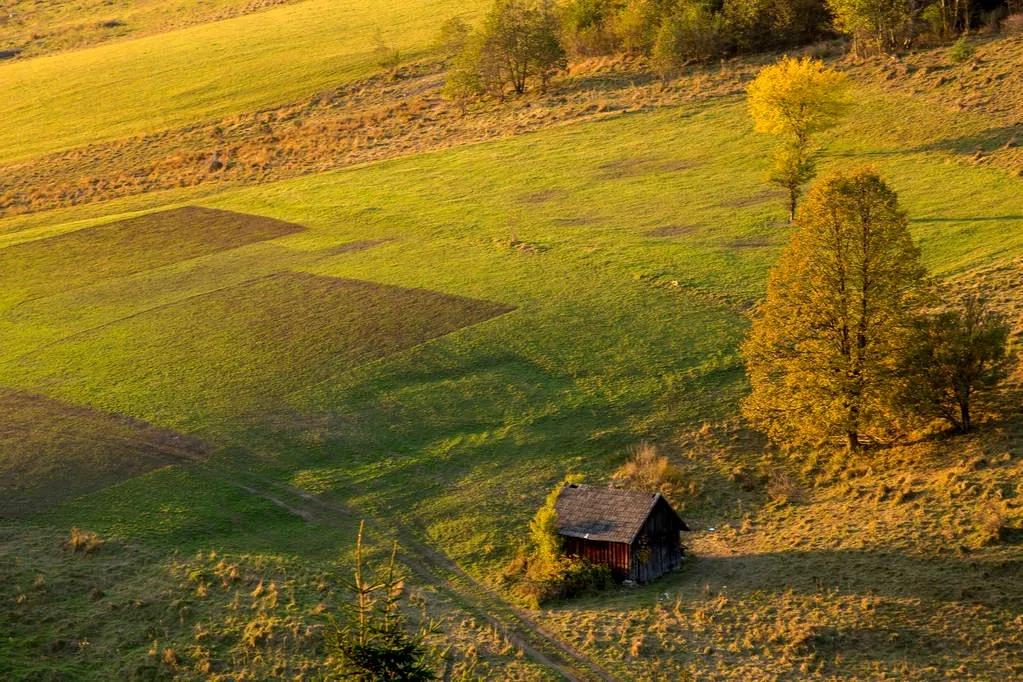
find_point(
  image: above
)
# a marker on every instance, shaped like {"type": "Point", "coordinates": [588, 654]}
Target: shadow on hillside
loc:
{"type": "Point", "coordinates": [986, 141]}
{"type": "Point", "coordinates": [983, 580]}
{"type": "Point", "coordinates": [968, 219]}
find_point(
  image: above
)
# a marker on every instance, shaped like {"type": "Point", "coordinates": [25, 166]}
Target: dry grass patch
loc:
{"type": "Point", "coordinates": [804, 571]}
{"type": "Point", "coordinates": [130, 612]}
{"type": "Point", "coordinates": [32, 28]}
{"type": "Point", "coordinates": [369, 120]}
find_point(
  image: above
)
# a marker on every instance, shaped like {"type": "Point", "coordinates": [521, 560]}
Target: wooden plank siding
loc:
{"type": "Point", "coordinates": [613, 554]}
{"type": "Point", "coordinates": [657, 548]}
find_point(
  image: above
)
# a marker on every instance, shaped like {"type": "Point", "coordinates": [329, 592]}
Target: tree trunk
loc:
{"type": "Point", "coordinates": [852, 441]}
{"type": "Point", "coordinates": [964, 416]}
{"type": "Point", "coordinates": [793, 200]}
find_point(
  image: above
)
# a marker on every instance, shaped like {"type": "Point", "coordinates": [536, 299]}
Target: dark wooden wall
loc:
{"type": "Point", "coordinates": [658, 547]}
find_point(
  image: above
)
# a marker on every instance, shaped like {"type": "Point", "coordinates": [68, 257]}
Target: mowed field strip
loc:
{"type": "Point", "coordinates": [124, 247]}
{"type": "Point", "coordinates": [248, 345]}
{"type": "Point", "coordinates": [226, 348]}
{"type": "Point", "coordinates": [52, 451]}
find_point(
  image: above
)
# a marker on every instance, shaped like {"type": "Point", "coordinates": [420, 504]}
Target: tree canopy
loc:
{"type": "Point", "coordinates": [518, 46]}
{"type": "Point", "coordinates": [954, 354]}
{"type": "Point", "coordinates": [794, 100]}
{"type": "Point", "coordinates": [823, 348]}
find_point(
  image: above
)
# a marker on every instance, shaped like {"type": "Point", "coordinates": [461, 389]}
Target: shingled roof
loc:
{"type": "Point", "coordinates": [603, 514]}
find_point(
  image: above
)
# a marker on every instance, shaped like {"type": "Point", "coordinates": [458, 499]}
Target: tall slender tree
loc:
{"type": "Point", "coordinates": [795, 100]}
{"type": "Point", "coordinates": [823, 351]}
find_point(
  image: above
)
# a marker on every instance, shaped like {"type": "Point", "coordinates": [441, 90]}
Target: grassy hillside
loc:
{"type": "Point", "coordinates": [627, 251]}
{"type": "Point", "coordinates": [223, 379]}
{"type": "Point", "coordinates": [210, 70]}
{"type": "Point", "coordinates": [32, 28]}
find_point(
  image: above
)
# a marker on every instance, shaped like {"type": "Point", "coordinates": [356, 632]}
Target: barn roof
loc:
{"type": "Point", "coordinates": [604, 514]}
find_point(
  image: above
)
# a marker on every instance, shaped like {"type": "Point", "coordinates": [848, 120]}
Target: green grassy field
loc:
{"type": "Point", "coordinates": [206, 71]}
{"type": "Point", "coordinates": [441, 340]}
{"type": "Point", "coordinates": [33, 28]}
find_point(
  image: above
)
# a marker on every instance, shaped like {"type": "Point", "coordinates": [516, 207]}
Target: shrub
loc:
{"type": "Point", "coordinates": [757, 25]}
{"type": "Point", "coordinates": [375, 644]}
{"type": "Point", "coordinates": [992, 523]}
{"type": "Point", "coordinates": [646, 469]}
{"type": "Point", "coordinates": [518, 47]}
{"type": "Point", "coordinates": [961, 51]}
{"type": "Point", "coordinates": [543, 531]}
{"type": "Point", "coordinates": [636, 25]}
{"type": "Point", "coordinates": [1013, 23]}
{"type": "Point", "coordinates": [539, 572]}
{"type": "Point", "coordinates": [692, 33]}
{"type": "Point", "coordinates": [783, 488]}
{"type": "Point", "coordinates": [938, 18]}
{"type": "Point", "coordinates": [538, 583]}
{"type": "Point", "coordinates": [952, 356]}
{"type": "Point", "coordinates": [881, 25]}
{"type": "Point", "coordinates": [388, 58]}
{"type": "Point", "coordinates": [84, 541]}
{"type": "Point", "coordinates": [453, 36]}
{"type": "Point", "coordinates": [587, 27]}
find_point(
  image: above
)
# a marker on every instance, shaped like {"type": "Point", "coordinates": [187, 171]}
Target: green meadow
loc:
{"type": "Point", "coordinates": [624, 256]}
{"type": "Point", "coordinates": [431, 341]}
{"type": "Point", "coordinates": [172, 79]}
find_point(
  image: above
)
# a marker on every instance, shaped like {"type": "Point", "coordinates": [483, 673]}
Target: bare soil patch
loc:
{"type": "Point", "coordinates": [129, 246]}
{"type": "Point", "coordinates": [51, 451]}
{"type": "Point", "coordinates": [637, 166]}
{"type": "Point", "coordinates": [754, 199]}
{"type": "Point", "coordinates": [671, 231]}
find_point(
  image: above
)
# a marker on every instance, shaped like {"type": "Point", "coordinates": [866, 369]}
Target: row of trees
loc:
{"type": "Point", "coordinates": [525, 42]}
{"type": "Point", "coordinates": [853, 339]}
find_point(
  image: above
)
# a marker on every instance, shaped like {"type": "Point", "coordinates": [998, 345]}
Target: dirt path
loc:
{"type": "Point", "coordinates": [430, 566]}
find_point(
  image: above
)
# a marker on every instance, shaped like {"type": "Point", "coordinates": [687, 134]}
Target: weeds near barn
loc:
{"type": "Point", "coordinates": [84, 541]}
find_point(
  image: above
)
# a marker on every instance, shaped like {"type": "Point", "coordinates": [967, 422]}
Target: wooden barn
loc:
{"type": "Point", "coordinates": [637, 534]}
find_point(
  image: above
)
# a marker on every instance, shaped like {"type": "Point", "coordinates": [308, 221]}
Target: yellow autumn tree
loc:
{"type": "Point", "coordinates": [824, 348]}
{"type": "Point", "coordinates": [795, 100]}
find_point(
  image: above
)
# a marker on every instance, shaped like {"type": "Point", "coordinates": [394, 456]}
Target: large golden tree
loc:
{"type": "Point", "coordinates": [822, 351]}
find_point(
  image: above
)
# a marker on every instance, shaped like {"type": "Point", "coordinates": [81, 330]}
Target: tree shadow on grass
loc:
{"type": "Point", "coordinates": [968, 219]}
{"type": "Point", "coordinates": [991, 578]}
{"type": "Point", "coordinates": [986, 141]}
